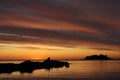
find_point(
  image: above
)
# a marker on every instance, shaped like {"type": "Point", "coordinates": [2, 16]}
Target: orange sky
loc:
{"type": "Point", "coordinates": [58, 29]}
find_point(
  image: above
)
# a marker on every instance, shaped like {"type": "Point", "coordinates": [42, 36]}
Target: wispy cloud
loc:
{"type": "Point", "coordinates": [60, 22]}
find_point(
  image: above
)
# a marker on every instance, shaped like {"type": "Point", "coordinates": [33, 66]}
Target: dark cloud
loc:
{"type": "Point", "coordinates": [102, 16]}
{"type": "Point", "coordinates": [53, 37]}
{"type": "Point", "coordinates": [105, 49]}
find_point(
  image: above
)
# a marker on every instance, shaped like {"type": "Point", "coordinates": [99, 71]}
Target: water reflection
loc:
{"type": "Point", "coordinates": [78, 70]}
{"type": "Point", "coordinates": [28, 70]}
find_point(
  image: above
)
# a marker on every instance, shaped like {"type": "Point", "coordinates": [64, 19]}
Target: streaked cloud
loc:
{"type": "Point", "coordinates": [62, 23]}
{"type": "Point", "coordinates": [19, 34]}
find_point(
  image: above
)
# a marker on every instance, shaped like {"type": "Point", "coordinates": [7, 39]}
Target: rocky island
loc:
{"type": "Point", "coordinates": [29, 66]}
{"type": "Point", "coordinates": [97, 57]}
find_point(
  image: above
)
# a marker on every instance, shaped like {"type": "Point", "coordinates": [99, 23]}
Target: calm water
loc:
{"type": "Point", "coordinates": [78, 70]}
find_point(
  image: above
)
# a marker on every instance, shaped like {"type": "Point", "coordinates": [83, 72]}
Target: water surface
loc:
{"type": "Point", "coordinates": [78, 70]}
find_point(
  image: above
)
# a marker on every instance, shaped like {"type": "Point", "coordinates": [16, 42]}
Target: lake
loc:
{"type": "Point", "coordinates": [78, 70]}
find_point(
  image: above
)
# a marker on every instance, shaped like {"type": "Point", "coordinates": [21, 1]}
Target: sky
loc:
{"type": "Point", "coordinates": [60, 29]}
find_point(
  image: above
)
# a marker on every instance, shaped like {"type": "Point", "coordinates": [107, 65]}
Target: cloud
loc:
{"type": "Point", "coordinates": [43, 36]}
{"type": "Point", "coordinates": [44, 22]}
{"type": "Point", "coordinates": [104, 49]}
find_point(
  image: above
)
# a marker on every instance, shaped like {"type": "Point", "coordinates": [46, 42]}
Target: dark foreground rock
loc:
{"type": "Point", "coordinates": [29, 66]}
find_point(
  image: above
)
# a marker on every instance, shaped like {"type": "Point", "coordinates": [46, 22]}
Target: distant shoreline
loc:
{"type": "Point", "coordinates": [59, 59]}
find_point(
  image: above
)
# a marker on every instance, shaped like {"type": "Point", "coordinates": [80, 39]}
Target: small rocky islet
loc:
{"type": "Point", "coordinates": [97, 57]}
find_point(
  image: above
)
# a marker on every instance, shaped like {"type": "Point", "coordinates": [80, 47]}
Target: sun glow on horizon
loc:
{"type": "Point", "coordinates": [40, 52]}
